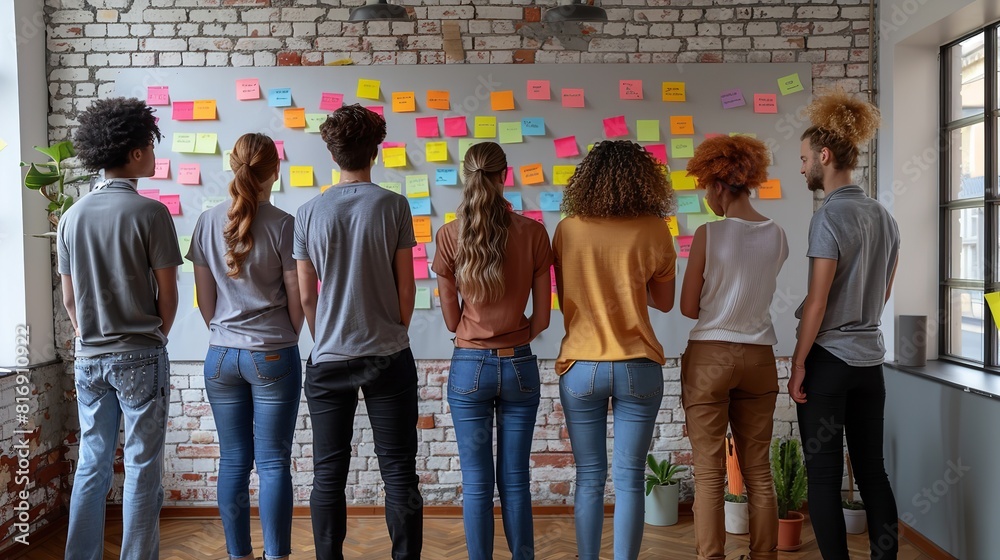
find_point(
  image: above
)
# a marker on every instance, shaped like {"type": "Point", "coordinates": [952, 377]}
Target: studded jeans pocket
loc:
{"type": "Point", "coordinates": [135, 380]}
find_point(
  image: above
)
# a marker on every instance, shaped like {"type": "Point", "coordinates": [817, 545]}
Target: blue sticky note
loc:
{"type": "Point", "coordinates": [279, 97]}
{"type": "Point", "coordinates": [445, 176]}
{"type": "Point", "coordinates": [420, 206]}
{"type": "Point", "coordinates": [688, 204]}
{"type": "Point", "coordinates": [514, 198]}
{"type": "Point", "coordinates": [550, 201]}
{"type": "Point", "coordinates": [533, 126]}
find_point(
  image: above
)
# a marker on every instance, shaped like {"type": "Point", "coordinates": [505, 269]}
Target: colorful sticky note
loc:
{"type": "Point", "coordinates": [445, 176]}
{"type": "Point", "coordinates": [248, 89]}
{"type": "Point", "coordinates": [420, 266]}
{"type": "Point", "coordinates": [509, 178]}
{"type": "Point", "coordinates": [555, 301]}
{"type": "Point", "coordinates": [295, 117]}
{"type": "Point", "coordinates": [615, 127]}
{"type": "Point", "coordinates": [533, 126]}
{"type": "Point", "coordinates": [647, 130]}
{"type": "Point", "coordinates": [630, 89]}
{"type": "Point", "coordinates": [3, 144]}
{"type": "Point", "coordinates": [681, 181]}
{"type": "Point", "coordinates": [393, 144]}
{"type": "Point", "coordinates": [682, 148]}
{"type": "Point", "coordinates": [438, 99]}
{"type": "Point", "coordinates": [532, 174]}
{"type": "Point", "coordinates": [206, 143]}
{"type": "Point", "coordinates": [204, 110]}
{"type": "Point", "coordinates": [708, 207]}
{"type": "Point", "coordinates": [227, 163]}
{"type": "Point", "coordinates": [993, 301]}
{"type": "Point", "coordinates": [766, 103]}
{"type": "Point", "coordinates": [658, 151]}
{"type": "Point", "coordinates": [184, 241]}
{"type": "Point", "coordinates": [420, 206]}
{"type": "Point", "coordinates": [152, 194]}
{"type": "Point", "coordinates": [300, 176]}
{"type": "Point", "coordinates": [789, 84]}
{"type": "Point", "coordinates": [280, 146]}
{"type": "Point", "coordinates": [417, 186]}
{"type": "Point", "coordinates": [450, 217]}
{"type": "Point", "coordinates": [463, 146]}
{"type": "Point", "coordinates": [672, 226]}
{"type": "Point", "coordinates": [695, 221]}
{"type": "Point", "coordinates": [182, 111]}
{"type": "Point", "coordinates": [684, 245]}
{"type": "Point", "coordinates": [674, 91]}
{"type": "Point", "coordinates": [510, 132]}
{"type": "Point", "coordinates": [572, 98]}
{"type": "Point", "coordinates": [502, 100]}
{"type": "Point", "coordinates": [276, 185]}
{"type": "Point", "coordinates": [162, 169]}
{"type": "Point", "coordinates": [314, 121]}
{"type": "Point", "coordinates": [377, 109]}
{"type": "Point", "coordinates": [392, 186]}
{"type": "Point", "coordinates": [688, 204]}
{"type": "Point", "coordinates": [682, 125]}
{"type": "Point", "coordinates": [515, 200]}
{"type": "Point", "coordinates": [733, 98]}
{"type": "Point", "coordinates": [172, 202]}
{"type": "Point", "coordinates": [770, 189]}
{"type": "Point", "coordinates": [184, 142]}
{"type": "Point", "coordinates": [335, 177]}
{"type": "Point", "coordinates": [330, 101]}
{"type": "Point", "coordinates": [562, 173]}
{"type": "Point", "coordinates": [422, 229]}
{"type": "Point", "coordinates": [427, 127]}
{"type": "Point", "coordinates": [189, 174]}
{"type": "Point", "coordinates": [420, 251]}
{"type": "Point", "coordinates": [455, 126]}
{"type": "Point", "coordinates": [550, 201]}
{"type": "Point", "coordinates": [368, 89]}
{"type": "Point", "coordinates": [423, 299]}
{"type": "Point", "coordinates": [534, 215]}
{"type": "Point", "coordinates": [566, 147]}
{"type": "Point", "coordinates": [485, 127]}
{"type": "Point", "coordinates": [404, 102]}
{"type": "Point", "coordinates": [437, 151]}
{"type": "Point", "coordinates": [394, 157]}
{"type": "Point", "coordinates": [539, 90]}
{"type": "Point", "coordinates": [157, 95]}
{"type": "Point", "coordinates": [279, 97]}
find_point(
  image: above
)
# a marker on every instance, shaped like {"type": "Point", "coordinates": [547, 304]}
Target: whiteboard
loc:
{"type": "Point", "coordinates": [470, 87]}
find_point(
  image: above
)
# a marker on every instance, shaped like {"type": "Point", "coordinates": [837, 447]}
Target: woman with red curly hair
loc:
{"type": "Point", "coordinates": [728, 372]}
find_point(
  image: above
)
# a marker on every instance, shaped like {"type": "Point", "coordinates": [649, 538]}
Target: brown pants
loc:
{"type": "Point", "coordinates": [731, 384]}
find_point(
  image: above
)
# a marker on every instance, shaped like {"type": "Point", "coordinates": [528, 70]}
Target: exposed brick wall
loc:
{"type": "Point", "coordinates": [89, 40]}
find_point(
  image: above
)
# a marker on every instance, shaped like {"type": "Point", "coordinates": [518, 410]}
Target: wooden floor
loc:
{"type": "Point", "coordinates": [202, 539]}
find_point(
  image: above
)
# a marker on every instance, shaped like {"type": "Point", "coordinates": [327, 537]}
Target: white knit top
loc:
{"type": "Point", "coordinates": [742, 261]}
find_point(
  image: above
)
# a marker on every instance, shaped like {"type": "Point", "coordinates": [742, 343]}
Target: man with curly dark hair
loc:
{"type": "Point", "coordinates": [118, 258]}
{"type": "Point", "coordinates": [357, 238]}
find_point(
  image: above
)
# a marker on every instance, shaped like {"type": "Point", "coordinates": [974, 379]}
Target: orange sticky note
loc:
{"type": "Point", "coordinates": [681, 125]}
{"type": "Point", "coordinates": [204, 110]}
{"type": "Point", "coordinates": [532, 174]}
{"type": "Point", "coordinates": [502, 100]}
{"type": "Point", "coordinates": [404, 102]}
{"type": "Point", "coordinates": [439, 99]}
{"type": "Point", "coordinates": [770, 189]}
{"type": "Point", "coordinates": [295, 117]}
{"type": "Point", "coordinates": [422, 229]}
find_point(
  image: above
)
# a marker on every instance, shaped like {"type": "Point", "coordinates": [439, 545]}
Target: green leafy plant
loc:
{"type": "Point", "coordinates": [51, 178]}
{"type": "Point", "coordinates": [789, 473]}
{"type": "Point", "coordinates": [661, 473]}
{"type": "Point", "coordinates": [736, 498]}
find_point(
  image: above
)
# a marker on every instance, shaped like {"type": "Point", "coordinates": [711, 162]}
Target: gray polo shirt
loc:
{"type": "Point", "coordinates": [351, 234]}
{"type": "Point", "coordinates": [251, 310]}
{"type": "Point", "coordinates": [861, 235]}
{"type": "Point", "coordinates": [110, 242]}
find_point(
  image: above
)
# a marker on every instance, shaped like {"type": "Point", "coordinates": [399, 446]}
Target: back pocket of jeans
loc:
{"type": "Point", "coordinates": [85, 373]}
{"type": "Point", "coordinates": [526, 370]}
{"type": "Point", "coordinates": [272, 366]}
{"type": "Point", "coordinates": [463, 376]}
{"type": "Point", "coordinates": [579, 379]}
{"type": "Point", "coordinates": [136, 381]}
{"type": "Point", "coordinates": [645, 379]}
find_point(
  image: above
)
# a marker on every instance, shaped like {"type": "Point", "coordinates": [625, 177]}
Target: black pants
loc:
{"type": "Point", "coordinates": [841, 396]}
{"type": "Point", "coordinates": [390, 387]}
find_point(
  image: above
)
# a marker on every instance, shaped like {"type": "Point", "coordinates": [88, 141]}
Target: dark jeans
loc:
{"type": "Point", "coordinates": [853, 398]}
{"type": "Point", "coordinates": [390, 388]}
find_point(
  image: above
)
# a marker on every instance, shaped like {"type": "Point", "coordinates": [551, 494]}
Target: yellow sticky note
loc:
{"type": "Point", "coordinates": [532, 174]}
{"type": "Point", "coordinates": [485, 127]}
{"type": "Point", "coordinates": [562, 173]}
{"type": "Point", "coordinates": [417, 186]}
{"type": "Point", "coordinates": [439, 99]}
{"type": "Point", "coordinates": [674, 91]}
{"type": "Point", "coordinates": [195, 291]}
{"type": "Point", "coordinates": [404, 102]}
{"type": "Point", "coordinates": [449, 217]}
{"type": "Point", "coordinates": [681, 181]}
{"type": "Point", "coordinates": [368, 89]}
{"type": "Point", "coordinates": [184, 142]}
{"type": "Point", "coordinates": [993, 300]}
{"type": "Point", "coordinates": [422, 229]}
{"type": "Point", "coordinates": [682, 125]}
{"type": "Point", "coordinates": [502, 100]}
{"type": "Point", "coordinates": [324, 188]}
{"type": "Point", "coordinates": [787, 84]}
{"type": "Point", "coordinates": [555, 301]}
{"type": "Point", "coordinates": [206, 143]}
{"type": "Point", "coordinates": [392, 186]}
{"type": "Point", "coordinates": [204, 110]}
{"type": "Point", "coordinates": [335, 176]}
{"type": "Point", "coordinates": [300, 175]}
{"type": "Point", "coordinates": [770, 189]}
{"type": "Point", "coordinates": [672, 225]}
{"type": "Point", "coordinates": [295, 117]}
{"type": "Point", "coordinates": [2, 144]}
{"type": "Point", "coordinates": [437, 151]}
{"type": "Point", "coordinates": [394, 157]}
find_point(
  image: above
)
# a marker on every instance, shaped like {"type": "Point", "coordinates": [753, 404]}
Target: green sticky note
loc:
{"type": "Point", "coordinates": [184, 142]}
{"type": "Point", "coordinates": [790, 84]}
{"type": "Point", "coordinates": [392, 186]}
{"type": "Point", "coordinates": [206, 143]}
{"type": "Point", "coordinates": [647, 130]}
{"type": "Point", "coordinates": [276, 186]}
{"type": "Point", "coordinates": [463, 146]}
{"type": "Point", "coordinates": [510, 133]}
{"type": "Point", "coordinates": [423, 300]}
{"type": "Point", "coordinates": [185, 242]}
{"type": "Point", "coordinates": [694, 221]}
{"type": "Point", "coordinates": [227, 164]}
{"type": "Point", "coordinates": [417, 186]}
{"type": "Point", "coordinates": [313, 121]}
{"type": "Point", "coordinates": [688, 204]}
{"type": "Point", "coordinates": [681, 148]}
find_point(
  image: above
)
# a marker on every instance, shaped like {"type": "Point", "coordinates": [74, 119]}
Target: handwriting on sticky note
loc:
{"type": "Point", "coordinates": [189, 174]}
{"type": "Point", "coordinates": [394, 157]}
{"type": "Point", "coordinates": [615, 127]}
{"type": "Point", "coordinates": [682, 148]}
{"type": "Point", "coordinates": [330, 101]}
{"type": "Point", "coordinates": [539, 90]}
{"type": "Point", "coordinates": [420, 206]}
{"type": "Point", "coordinates": [420, 251]}
{"type": "Point", "coordinates": [532, 174]}
{"type": "Point", "coordinates": [647, 130]}
{"type": "Point", "coordinates": [510, 132]}
{"type": "Point", "coordinates": [446, 176]}
{"type": "Point", "coordinates": [157, 95]}
{"type": "Point", "coordinates": [765, 103]}
{"type": "Point", "coordinates": [184, 142]}
{"type": "Point", "coordinates": [455, 127]}
{"type": "Point", "coordinates": [450, 217]}
{"type": "Point", "coordinates": [573, 98]}
{"type": "Point", "coordinates": [300, 176]}
{"type": "Point", "coordinates": [688, 204]}
{"type": "Point", "coordinates": [533, 126]}
{"type": "Point", "coordinates": [404, 102]}
{"type": "Point", "coordinates": [682, 125]}
{"type": "Point", "coordinates": [439, 99]}
{"type": "Point", "coordinates": [550, 201]}
{"type": "Point", "coordinates": [295, 117]}
{"type": "Point", "coordinates": [368, 89]}
{"type": "Point", "coordinates": [684, 245]}
{"type": "Point", "coordinates": [182, 111]}
{"type": "Point", "coordinates": [672, 226]}
{"type": "Point", "coordinates": [630, 89]}
{"type": "Point", "coordinates": [279, 97]}
{"type": "Point", "coordinates": [562, 173]}
{"type": "Point", "coordinates": [566, 147]}
{"type": "Point", "coordinates": [437, 151]}
{"type": "Point", "coordinates": [422, 229]}
{"type": "Point", "coordinates": [392, 186]}
{"type": "Point", "coordinates": [789, 84]}
{"type": "Point", "coordinates": [770, 189]}
{"type": "Point", "coordinates": [206, 143]}
{"type": "Point", "coordinates": [733, 98]}
{"type": "Point", "coordinates": [658, 151]}
{"type": "Point", "coordinates": [162, 169]}
{"type": "Point", "coordinates": [674, 91]}
{"type": "Point", "coordinates": [204, 110]}
{"type": "Point", "coordinates": [314, 121]}
{"type": "Point", "coordinates": [485, 127]}
{"type": "Point", "coordinates": [463, 146]}
{"type": "Point", "coordinates": [172, 202]}
{"type": "Point", "coordinates": [248, 89]}
{"type": "Point", "coordinates": [681, 181]}
{"type": "Point", "coordinates": [427, 127]}
{"type": "Point", "coordinates": [417, 186]}
{"type": "Point", "coordinates": [502, 100]}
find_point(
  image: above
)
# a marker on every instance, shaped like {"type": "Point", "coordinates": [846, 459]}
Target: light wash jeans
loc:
{"type": "Point", "coordinates": [134, 385]}
{"type": "Point", "coordinates": [635, 389]}
{"type": "Point", "coordinates": [480, 385]}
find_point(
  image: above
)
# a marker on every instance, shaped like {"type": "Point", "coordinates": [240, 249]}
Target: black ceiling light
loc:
{"type": "Point", "coordinates": [575, 10]}
{"type": "Point", "coordinates": [379, 10]}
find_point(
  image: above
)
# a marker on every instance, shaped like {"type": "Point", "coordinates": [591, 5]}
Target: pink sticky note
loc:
{"type": "Point", "coordinates": [630, 89]}
{"type": "Point", "coordinates": [765, 103]}
{"type": "Point", "coordinates": [534, 215]}
{"type": "Point", "coordinates": [566, 147]}
{"type": "Point", "coordinates": [280, 145]}
{"type": "Point", "coordinates": [377, 109]}
{"type": "Point", "coordinates": [183, 111]}
{"type": "Point", "coordinates": [420, 268]}
{"type": "Point", "coordinates": [572, 98]}
{"type": "Point", "coordinates": [733, 98]}
{"type": "Point", "coordinates": [427, 127]}
{"type": "Point", "coordinates": [189, 174]}
{"type": "Point", "coordinates": [615, 127]}
{"type": "Point", "coordinates": [153, 194]}
{"type": "Point", "coordinates": [420, 251]}
{"type": "Point", "coordinates": [162, 169]}
{"type": "Point", "coordinates": [172, 202]}
{"type": "Point", "coordinates": [455, 126]}
{"type": "Point", "coordinates": [331, 101]}
{"type": "Point", "coordinates": [684, 245]}
{"type": "Point", "coordinates": [539, 90]}
{"type": "Point", "coordinates": [393, 144]}
{"type": "Point", "coordinates": [659, 151]}
{"type": "Point", "coordinates": [713, 135]}
{"type": "Point", "coordinates": [157, 95]}
{"type": "Point", "coordinates": [509, 181]}
{"type": "Point", "coordinates": [552, 275]}
{"type": "Point", "coordinates": [248, 89]}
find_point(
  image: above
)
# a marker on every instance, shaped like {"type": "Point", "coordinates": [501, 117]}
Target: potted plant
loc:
{"type": "Point", "coordinates": [662, 490]}
{"type": "Point", "coordinates": [855, 517]}
{"type": "Point", "coordinates": [789, 474]}
{"type": "Point", "coordinates": [51, 178]}
{"type": "Point", "coordinates": [737, 515]}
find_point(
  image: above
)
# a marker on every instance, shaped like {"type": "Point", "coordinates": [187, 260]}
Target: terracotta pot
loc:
{"type": "Point", "coordinates": [790, 532]}
{"type": "Point", "coordinates": [737, 518]}
{"type": "Point", "coordinates": [855, 520]}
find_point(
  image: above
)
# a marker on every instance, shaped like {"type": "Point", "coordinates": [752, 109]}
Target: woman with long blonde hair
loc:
{"type": "Point", "coordinates": [494, 259]}
{"type": "Point", "coordinates": [248, 294]}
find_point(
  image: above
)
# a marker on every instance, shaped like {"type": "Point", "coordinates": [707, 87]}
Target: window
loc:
{"type": "Point", "coordinates": [970, 199]}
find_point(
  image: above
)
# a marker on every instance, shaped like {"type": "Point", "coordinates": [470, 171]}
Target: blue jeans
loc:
{"type": "Point", "coordinates": [635, 388]}
{"type": "Point", "coordinates": [255, 401]}
{"type": "Point", "coordinates": [481, 384]}
{"type": "Point", "coordinates": [133, 385]}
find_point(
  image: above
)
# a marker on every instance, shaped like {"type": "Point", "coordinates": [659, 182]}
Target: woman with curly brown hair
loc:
{"type": "Point", "coordinates": [728, 372]}
{"type": "Point", "coordinates": [614, 256]}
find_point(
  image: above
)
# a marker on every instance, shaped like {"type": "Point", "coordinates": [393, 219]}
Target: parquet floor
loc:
{"type": "Point", "coordinates": [202, 539]}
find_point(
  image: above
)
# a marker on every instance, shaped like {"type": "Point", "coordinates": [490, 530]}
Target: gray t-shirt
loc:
{"type": "Point", "coordinates": [351, 234]}
{"type": "Point", "coordinates": [861, 235]}
{"type": "Point", "coordinates": [110, 242]}
{"type": "Point", "coordinates": [251, 310]}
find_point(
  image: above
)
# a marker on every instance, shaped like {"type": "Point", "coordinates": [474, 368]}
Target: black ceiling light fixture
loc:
{"type": "Point", "coordinates": [575, 10]}
{"type": "Point", "coordinates": [379, 10]}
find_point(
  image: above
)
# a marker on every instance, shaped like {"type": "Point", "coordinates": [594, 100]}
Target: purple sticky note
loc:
{"type": "Point", "coordinates": [615, 127]}
{"type": "Point", "coordinates": [733, 98]}
{"type": "Point", "coordinates": [455, 126]}
{"type": "Point", "coordinates": [183, 111]}
{"type": "Point", "coordinates": [566, 147]}
{"type": "Point", "coordinates": [659, 151]}
{"type": "Point", "coordinates": [427, 127]}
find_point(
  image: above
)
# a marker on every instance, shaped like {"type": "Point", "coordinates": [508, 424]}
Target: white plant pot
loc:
{"type": "Point", "coordinates": [856, 521]}
{"type": "Point", "coordinates": [661, 505]}
{"type": "Point", "coordinates": [737, 518]}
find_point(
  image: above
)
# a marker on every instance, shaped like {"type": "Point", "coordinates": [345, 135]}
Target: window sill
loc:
{"type": "Point", "coordinates": [968, 379]}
